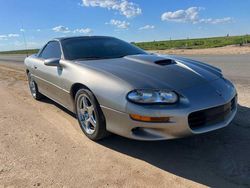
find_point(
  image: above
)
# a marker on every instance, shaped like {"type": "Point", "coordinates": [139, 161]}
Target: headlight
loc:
{"type": "Point", "coordinates": [152, 96]}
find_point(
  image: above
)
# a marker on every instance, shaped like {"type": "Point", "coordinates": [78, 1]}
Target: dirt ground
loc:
{"type": "Point", "coordinates": [227, 50]}
{"type": "Point", "coordinates": [41, 145]}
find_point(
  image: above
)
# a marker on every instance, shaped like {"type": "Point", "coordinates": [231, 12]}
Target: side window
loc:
{"type": "Point", "coordinates": [51, 50]}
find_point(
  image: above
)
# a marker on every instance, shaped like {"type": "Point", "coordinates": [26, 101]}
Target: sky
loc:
{"type": "Point", "coordinates": [36, 22]}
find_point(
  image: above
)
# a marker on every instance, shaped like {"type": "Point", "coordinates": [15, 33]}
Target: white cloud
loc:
{"type": "Point", "coordinates": [217, 21]}
{"type": "Point", "coordinates": [8, 36]}
{"type": "Point", "coordinates": [147, 27]}
{"type": "Point", "coordinates": [38, 30]}
{"type": "Point", "coordinates": [119, 24]}
{"type": "Point", "coordinates": [61, 29]}
{"type": "Point", "coordinates": [83, 31]}
{"type": "Point", "coordinates": [3, 37]}
{"type": "Point", "coordinates": [191, 15]}
{"type": "Point", "coordinates": [13, 35]}
{"type": "Point", "coordinates": [126, 8]}
{"type": "Point", "coordinates": [22, 30]}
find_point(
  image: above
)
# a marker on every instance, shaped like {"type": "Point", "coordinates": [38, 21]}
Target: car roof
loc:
{"type": "Point", "coordinates": [80, 37]}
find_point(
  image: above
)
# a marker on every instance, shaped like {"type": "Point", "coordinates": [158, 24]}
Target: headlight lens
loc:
{"type": "Point", "coordinates": [152, 96]}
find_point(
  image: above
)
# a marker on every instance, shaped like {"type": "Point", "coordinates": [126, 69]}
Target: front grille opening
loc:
{"type": "Point", "coordinates": [165, 62]}
{"type": "Point", "coordinates": [211, 116]}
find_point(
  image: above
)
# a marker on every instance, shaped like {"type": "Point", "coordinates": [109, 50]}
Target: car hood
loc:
{"type": "Point", "coordinates": [154, 71]}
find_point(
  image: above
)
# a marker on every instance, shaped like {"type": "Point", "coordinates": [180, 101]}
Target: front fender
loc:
{"type": "Point", "coordinates": [109, 90]}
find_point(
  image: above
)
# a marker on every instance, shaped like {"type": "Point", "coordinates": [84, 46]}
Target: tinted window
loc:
{"type": "Point", "coordinates": [52, 50]}
{"type": "Point", "coordinates": [98, 48]}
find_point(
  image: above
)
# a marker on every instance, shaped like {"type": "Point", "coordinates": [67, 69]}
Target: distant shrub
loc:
{"type": "Point", "coordinates": [195, 43]}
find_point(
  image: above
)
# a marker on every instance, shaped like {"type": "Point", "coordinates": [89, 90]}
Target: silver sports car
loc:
{"type": "Point", "coordinates": [113, 86]}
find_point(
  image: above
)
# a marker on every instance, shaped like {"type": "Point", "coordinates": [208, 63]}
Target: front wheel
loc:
{"type": "Point", "coordinates": [33, 88]}
{"type": "Point", "coordinates": [90, 115]}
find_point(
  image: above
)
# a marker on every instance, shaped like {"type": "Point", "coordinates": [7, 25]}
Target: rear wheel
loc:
{"type": "Point", "coordinates": [33, 88]}
{"type": "Point", "coordinates": [90, 115]}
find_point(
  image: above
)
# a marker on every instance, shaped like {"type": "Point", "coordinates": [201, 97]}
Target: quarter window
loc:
{"type": "Point", "coordinates": [51, 50]}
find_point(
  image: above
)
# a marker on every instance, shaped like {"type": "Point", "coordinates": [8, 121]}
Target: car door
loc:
{"type": "Point", "coordinates": [48, 78]}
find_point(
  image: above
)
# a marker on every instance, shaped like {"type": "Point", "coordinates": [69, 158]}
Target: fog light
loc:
{"type": "Point", "coordinates": [149, 119]}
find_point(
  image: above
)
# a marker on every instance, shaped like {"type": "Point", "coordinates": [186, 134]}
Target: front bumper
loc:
{"type": "Point", "coordinates": [179, 126]}
{"type": "Point", "coordinates": [206, 100]}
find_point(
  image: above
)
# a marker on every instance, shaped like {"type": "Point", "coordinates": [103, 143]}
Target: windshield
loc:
{"type": "Point", "coordinates": [97, 48]}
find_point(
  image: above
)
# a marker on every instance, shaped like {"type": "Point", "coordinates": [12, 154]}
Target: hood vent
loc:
{"type": "Point", "coordinates": [165, 62]}
{"type": "Point", "coordinates": [151, 59]}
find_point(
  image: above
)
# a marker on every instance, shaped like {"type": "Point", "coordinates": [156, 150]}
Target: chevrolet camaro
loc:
{"type": "Point", "coordinates": [115, 87]}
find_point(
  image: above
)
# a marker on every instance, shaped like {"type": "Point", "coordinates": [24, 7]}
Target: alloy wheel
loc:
{"type": "Point", "coordinates": [32, 86]}
{"type": "Point", "coordinates": [86, 114]}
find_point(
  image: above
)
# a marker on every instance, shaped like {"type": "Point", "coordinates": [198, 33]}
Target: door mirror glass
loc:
{"type": "Point", "coordinates": [52, 62]}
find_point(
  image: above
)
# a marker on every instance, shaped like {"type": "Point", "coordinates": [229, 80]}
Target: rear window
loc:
{"type": "Point", "coordinates": [98, 48]}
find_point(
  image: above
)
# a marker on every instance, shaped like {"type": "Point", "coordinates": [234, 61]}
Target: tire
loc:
{"type": "Point", "coordinates": [34, 89]}
{"type": "Point", "coordinates": [90, 116]}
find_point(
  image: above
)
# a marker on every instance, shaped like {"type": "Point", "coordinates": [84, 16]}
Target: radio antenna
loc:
{"type": "Point", "coordinates": [25, 42]}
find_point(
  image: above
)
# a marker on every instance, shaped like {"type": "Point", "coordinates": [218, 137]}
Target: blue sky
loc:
{"type": "Point", "coordinates": [130, 20]}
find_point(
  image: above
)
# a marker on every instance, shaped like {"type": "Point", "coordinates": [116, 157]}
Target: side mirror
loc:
{"type": "Point", "coordinates": [52, 62]}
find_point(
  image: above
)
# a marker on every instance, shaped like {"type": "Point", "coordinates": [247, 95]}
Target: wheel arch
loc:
{"type": "Point", "coordinates": [75, 87]}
